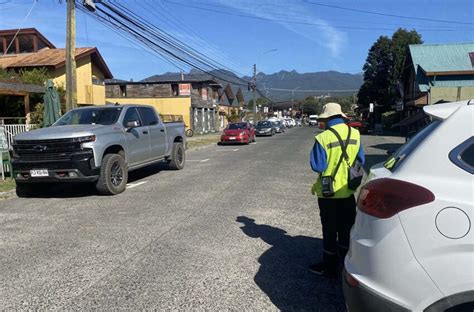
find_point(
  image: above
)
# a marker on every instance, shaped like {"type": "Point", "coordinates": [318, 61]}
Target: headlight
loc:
{"type": "Point", "coordinates": [85, 139]}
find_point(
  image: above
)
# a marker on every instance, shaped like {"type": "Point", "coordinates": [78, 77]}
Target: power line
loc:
{"type": "Point", "coordinates": [387, 14]}
{"type": "Point", "coordinates": [21, 25]}
{"type": "Point", "coordinates": [300, 22]}
{"type": "Point", "coordinates": [160, 42]}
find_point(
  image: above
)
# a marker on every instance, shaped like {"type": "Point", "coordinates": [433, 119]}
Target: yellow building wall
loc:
{"type": "Point", "coordinates": [165, 106]}
{"type": "Point", "coordinates": [450, 94]}
{"type": "Point", "coordinates": [87, 93]}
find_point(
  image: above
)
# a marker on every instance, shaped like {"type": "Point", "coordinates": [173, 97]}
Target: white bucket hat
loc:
{"type": "Point", "coordinates": [331, 109]}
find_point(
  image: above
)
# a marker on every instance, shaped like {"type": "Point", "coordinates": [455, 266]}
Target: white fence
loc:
{"type": "Point", "coordinates": [12, 130]}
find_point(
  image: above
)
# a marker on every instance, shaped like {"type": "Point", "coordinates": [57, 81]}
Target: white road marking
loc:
{"type": "Point", "coordinates": [235, 150]}
{"type": "Point", "coordinates": [204, 160]}
{"type": "Point", "coordinates": [132, 185]}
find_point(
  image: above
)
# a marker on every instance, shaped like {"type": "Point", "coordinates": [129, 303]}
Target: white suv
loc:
{"type": "Point", "coordinates": [412, 245]}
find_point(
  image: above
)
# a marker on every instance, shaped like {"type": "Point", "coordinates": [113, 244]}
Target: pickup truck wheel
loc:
{"type": "Point", "coordinates": [178, 156]}
{"type": "Point", "coordinates": [113, 175]}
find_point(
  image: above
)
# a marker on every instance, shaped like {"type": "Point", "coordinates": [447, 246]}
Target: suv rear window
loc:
{"type": "Point", "coordinates": [405, 150]}
{"type": "Point", "coordinates": [468, 155]}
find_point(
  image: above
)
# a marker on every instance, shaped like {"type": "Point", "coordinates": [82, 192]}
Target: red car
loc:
{"type": "Point", "coordinates": [357, 124]}
{"type": "Point", "coordinates": [238, 132]}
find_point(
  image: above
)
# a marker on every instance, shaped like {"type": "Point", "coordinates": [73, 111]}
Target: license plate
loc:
{"type": "Point", "coordinates": [231, 138]}
{"type": "Point", "coordinates": [39, 173]}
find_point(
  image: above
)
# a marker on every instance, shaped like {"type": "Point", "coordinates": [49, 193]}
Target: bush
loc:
{"type": "Point", "coordinates": [37, 115]}
{"type": "Point", "coordinates": [389, 119]}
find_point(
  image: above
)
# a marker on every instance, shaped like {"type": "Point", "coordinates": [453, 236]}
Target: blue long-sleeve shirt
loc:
{"type": "Point", "coordinates": [318, 157]}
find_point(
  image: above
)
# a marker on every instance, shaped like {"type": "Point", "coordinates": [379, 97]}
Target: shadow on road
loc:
{"type": "Point", "coordinates": [284, 276]}
{"type": "Point", "coordinates": [76, 190]}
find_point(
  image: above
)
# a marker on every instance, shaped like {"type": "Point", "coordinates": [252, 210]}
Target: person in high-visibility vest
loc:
{"type": "Point", "coordinates": [337, 206]}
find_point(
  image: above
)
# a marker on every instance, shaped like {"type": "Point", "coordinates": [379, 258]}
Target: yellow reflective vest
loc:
{"type": "Point", "coordinates": [333, 150]}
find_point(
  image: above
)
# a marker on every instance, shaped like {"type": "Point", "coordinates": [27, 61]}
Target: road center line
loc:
{"type": "Point", "coordinates": [132, 185]}
{"type": "Point", "coordinates": [204, 160]}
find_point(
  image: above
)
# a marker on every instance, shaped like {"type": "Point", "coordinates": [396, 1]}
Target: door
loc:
{"type": "Point", "coordinates": [138, 138]}
{"type": "Point", "coordinates": [158, 143]}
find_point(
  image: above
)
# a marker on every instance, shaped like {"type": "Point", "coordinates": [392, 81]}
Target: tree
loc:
{"type": "Point", "coordinates": [377, 73]}
{"type": "Point", "coordinates": [384, 67]}
{"type": "Point", "coordinates": [401, 39]}
{"type": "Point", "coordinates": [311, 106]}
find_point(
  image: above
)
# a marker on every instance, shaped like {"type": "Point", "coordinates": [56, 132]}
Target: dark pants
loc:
{"type": "Point", "coordinates": [337, 217]}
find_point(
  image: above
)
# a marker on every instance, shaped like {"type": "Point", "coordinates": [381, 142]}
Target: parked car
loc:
{"type": "Point", "coordinates": [358, 124]}
{"type": "Point", "coordinates": [238, 132]}
{"type": "Point", "coordinates": [313, 120]}
{"type": "Point", "coordinates": [96, 144]}
{"type": "Point", "coordinates": [412, 243]}
{"type": "Point", "coordinates": [264, 128]}
{"type": "Point", "coordinates": [279, 127]}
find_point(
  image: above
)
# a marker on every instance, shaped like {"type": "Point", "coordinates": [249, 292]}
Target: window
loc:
{"type": "Point", "coordinates": [405, 150]}
{"type": "Point", "coordinates": [26, 43]}
{"type": "Point", "coordinates": [131, 115]}
{"type": "Point", "coordinates": [90, 116]}
{"type": "Point", "coordinates": [123, 91]}
{"type": "Point", "coordinates": [463, 155]}
{"type": "Point", "coordinates": [174, 89]}
{"type": "Point", "coordinates": [468, 155]}
{"type": "Point", "coordinates": [9, 40]}
{"type": "Point", "coordinates": [148, 116]}
{"type": "Point", "coordinates": [97, 81]}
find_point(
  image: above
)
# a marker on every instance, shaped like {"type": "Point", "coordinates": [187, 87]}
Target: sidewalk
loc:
{"type": "Point", "coordinates": [202, 140]}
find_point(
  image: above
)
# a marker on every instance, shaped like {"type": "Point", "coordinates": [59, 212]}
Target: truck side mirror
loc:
{"type": "Point", "coordinates": [132, 124]}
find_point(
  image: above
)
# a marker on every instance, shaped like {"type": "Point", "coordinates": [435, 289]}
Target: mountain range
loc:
{"type": "Point", "coordinates": [321, 83]}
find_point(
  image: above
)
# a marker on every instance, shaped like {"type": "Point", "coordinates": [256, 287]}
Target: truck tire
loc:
{"type": "Point", "coordinates": [25, 190]}
{"type": "Point", "coordinates": [113, 175]}
{"type": "Point", "coordinates": [178, 157]}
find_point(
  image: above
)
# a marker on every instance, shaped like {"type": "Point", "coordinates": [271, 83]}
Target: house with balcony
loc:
{"type": "Point", "coordinates": [30, 49]}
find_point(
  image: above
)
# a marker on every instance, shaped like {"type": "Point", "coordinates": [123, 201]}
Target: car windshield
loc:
{"type": "Point", "coordinates": [90, 116]}
{"type": "Point", "coordinates": [264, 124]}
{"type": "Point", "coordinates": [405, 150]}
{"type": "Point", "coordinates": [240, 125]}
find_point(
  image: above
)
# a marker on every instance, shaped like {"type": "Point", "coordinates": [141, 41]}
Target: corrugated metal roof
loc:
{"type": "Point", "coordinates": [442, 57]}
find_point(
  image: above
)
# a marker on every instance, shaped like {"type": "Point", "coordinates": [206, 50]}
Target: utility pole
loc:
{"type": "Point", "coordinates": [71, 86]}
{"type": "Point", "coordinates": [254, 89]}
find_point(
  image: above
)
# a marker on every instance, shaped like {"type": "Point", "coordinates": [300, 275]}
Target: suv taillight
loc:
{"type": "Point", "coordinates": [384, 198]}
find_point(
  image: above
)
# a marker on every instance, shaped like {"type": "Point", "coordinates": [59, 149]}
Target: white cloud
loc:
{"type": "Point", "coordinates": [325, 35]}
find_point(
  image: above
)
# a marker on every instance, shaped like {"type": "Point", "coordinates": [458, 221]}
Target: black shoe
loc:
{"type": "Point", "coordinates": [322, 267]}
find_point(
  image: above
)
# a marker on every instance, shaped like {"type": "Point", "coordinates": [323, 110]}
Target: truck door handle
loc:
{"type": "Point", "coordinates": [145, 132]}
{"type": "Point", "coordinates": [162, 130]}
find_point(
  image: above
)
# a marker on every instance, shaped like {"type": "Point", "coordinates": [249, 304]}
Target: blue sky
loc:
{"type": "Point", "coordinates": [243, 34]}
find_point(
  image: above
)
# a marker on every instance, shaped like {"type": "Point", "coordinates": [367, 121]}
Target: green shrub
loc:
{"type": "Point", "coordinates": [389, 119]}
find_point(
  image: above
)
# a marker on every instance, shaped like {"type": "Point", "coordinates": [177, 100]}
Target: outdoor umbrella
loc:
{"type": "Point", "coordinates": [52, 107]}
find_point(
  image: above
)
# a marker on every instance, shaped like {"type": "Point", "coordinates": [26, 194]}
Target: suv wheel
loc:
{"type": "Point", "coordinates": [178, 156]}
{"type": "Point", "coordinates": [113, 175]}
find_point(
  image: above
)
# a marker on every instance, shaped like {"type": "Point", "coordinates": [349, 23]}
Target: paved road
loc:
{"type": "Point", "coordinates": [235, 230]}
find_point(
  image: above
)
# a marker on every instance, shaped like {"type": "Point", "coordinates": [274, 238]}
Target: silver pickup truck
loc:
{"type": "Point", "coordinates": [98, 144]}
